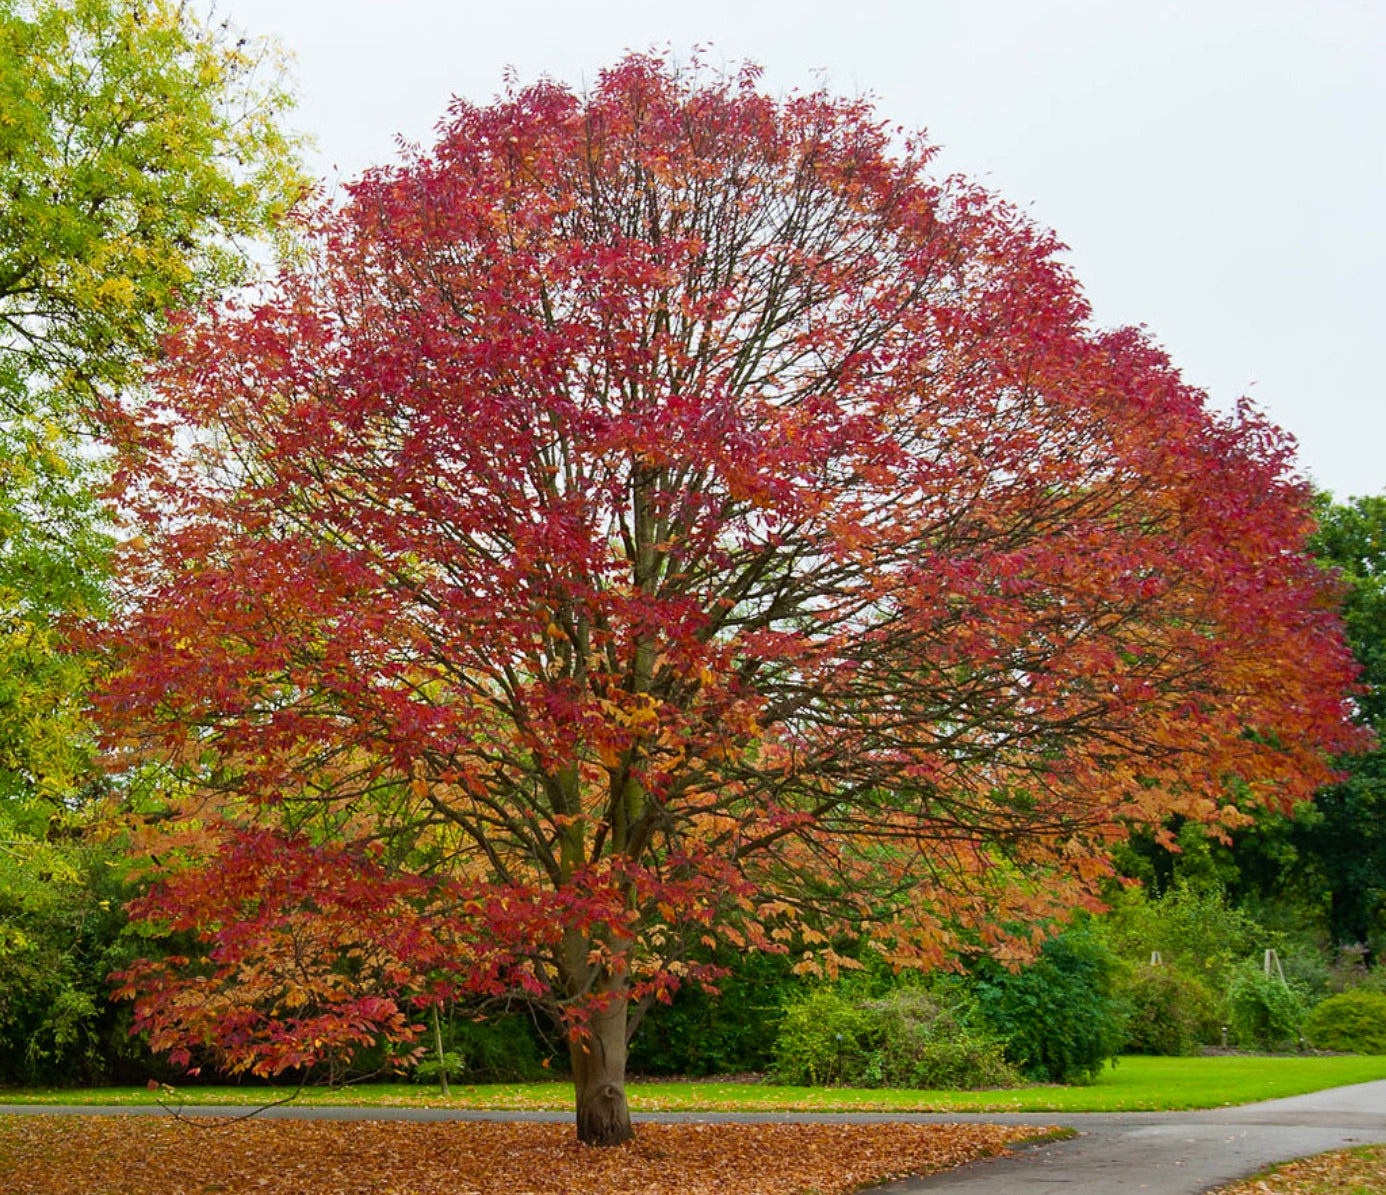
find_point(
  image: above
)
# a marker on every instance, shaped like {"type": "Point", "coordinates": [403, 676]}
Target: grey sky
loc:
{"type": "Point", "coordinates": [1218, 167]}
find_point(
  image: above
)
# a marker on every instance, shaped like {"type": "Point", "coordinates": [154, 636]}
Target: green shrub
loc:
{"type": "Point", "coordinates": [1307, 969]}
{"type": "Point", "coordinates": [909, 1038]}
{"type": "Point", "coordinates": [964, 1063]}
{"type": "Point", "coordinates": [1350, 971]}
{"type": "Point", "coordinates": [1262, 1011]}
{"type": "Point", "coordinates": [59, 941]}
{"type": "Point", "coordinates": [1060, 1018]}
{"type": "Point", "coordinates": [1171, 1012]}
{"type": "Point", "coordinates": [1353, 1021]}
{"type": "Point", "coordinates": [825, 1039]}
{"type": "Point", "coordinates": [928, 1044]}
{"type": "Point", "coordinates": [428, 1071]}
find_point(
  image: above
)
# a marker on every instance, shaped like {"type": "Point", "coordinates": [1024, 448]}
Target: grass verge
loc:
{"type": "Point", "coordinates": [1134, 1084]}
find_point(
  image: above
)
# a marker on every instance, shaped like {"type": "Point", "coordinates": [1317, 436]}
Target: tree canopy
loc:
{"type": "Point", "coordinates": [139, 152]}
{"type": "Point", "coordinates": [1347, 837]}
{"type": "Point", "coordinates": [1328, 858]}
{"type": "Point", "coordinates": [670, 514]}
{"type": "Point", "coordinates": [1351, 538]}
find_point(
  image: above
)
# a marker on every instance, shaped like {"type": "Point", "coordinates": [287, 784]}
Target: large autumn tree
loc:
{"type": "Point", "coordinates": [666, 514]}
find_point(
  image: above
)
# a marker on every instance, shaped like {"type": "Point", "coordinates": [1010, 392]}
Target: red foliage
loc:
{"type": "Point", "coordinates": [668, 513]}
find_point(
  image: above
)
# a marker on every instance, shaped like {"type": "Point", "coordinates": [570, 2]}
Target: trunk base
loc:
{"type": "Point", "coordinates": [603, 1117]}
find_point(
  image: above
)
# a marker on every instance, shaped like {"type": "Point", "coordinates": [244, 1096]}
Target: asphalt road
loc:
{"type": "Point", "coordinates": [1155, 1153]}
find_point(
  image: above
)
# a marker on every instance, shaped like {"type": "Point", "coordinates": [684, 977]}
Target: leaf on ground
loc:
{"type": "Point", "coordinates": [148, 1155]}
{"type": "Point", "coordinates": [1347, 1172]}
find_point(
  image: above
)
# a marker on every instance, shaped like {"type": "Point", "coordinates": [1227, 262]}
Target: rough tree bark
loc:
{"type": "Point", "coordinates": [599, 1078]}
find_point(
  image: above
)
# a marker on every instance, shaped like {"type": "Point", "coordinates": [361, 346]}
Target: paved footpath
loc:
{"type": "Point", "coordinates": [1171, 1153]}
{"type": "Point", "coordinates": [1155, 1153]}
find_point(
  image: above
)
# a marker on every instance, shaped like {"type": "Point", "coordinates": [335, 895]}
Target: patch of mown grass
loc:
{"type": "Point", "coordinates": [1134, 1084]}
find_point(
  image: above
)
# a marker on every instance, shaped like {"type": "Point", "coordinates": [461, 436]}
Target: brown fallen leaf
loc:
{"type": "Point", "coordinates": [88, 1155]}
{"type": "Point", "coordinates": [1346, 1172]}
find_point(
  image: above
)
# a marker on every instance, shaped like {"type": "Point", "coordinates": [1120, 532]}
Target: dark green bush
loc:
{"type": "Point", "coordinates": [1262, 1011]}
{"type": "Point", "coordinates": [1060, 1018]}
{"type": "Point", "coordinates": [1171, 1012]}
{"type": "Point", "coordinates": [503, 1049]}
{"type": "Point", "coordinates": [59, 941]}
{"type": "Point", "coordinates": [1354, 1021]}
{"type": "Point", "coordinates": [700, 1034]}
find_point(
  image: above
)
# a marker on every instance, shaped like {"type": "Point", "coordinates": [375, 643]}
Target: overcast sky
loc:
{"type": "Point", "coordinates": [1217, 167]}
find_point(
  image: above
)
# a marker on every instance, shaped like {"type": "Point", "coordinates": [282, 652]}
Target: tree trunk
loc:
{"type": "Point", "coordinates": [442, 1060]}
{"type": "Point", "coordinates": [599, 1079]}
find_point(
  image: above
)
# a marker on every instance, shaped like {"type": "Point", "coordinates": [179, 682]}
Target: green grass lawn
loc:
{"type": "Point", "coordinates": [1133, 1084]}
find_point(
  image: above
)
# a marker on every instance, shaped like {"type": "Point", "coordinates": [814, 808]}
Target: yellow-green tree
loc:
{"type": "Point", "coordinates": [141, 159]}
{"type": "Point", "coordinates": [139, 153]}
{"type": "Point", "coordinates": [140, 156]}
